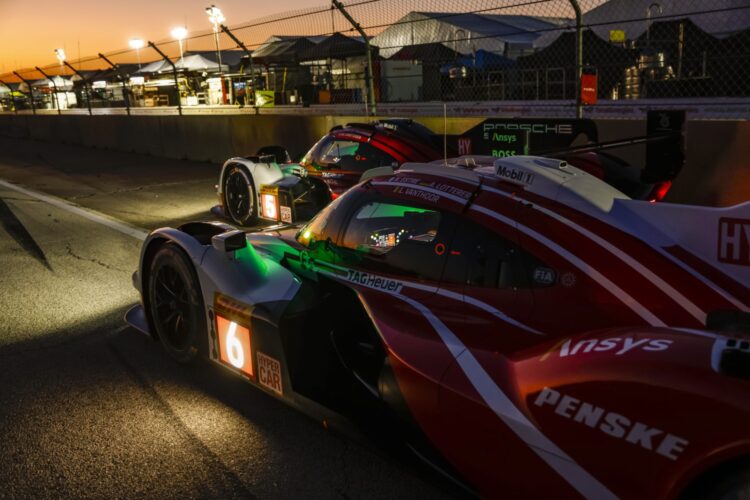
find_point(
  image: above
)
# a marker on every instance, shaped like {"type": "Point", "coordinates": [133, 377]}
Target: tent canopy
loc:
{"type": "Point", "coordinates": [279, 50]}
{"type": "Point", "coordinates": [193, 62]}
{"type": "Point", "coordinates": [336, 46]}
{"type": "Point", "coordinates": [464, 32]}
{"type": "Point", "coordinates": [59, 81]}
{"type": "Point", "coordinates": [426, 53]}
{"type": "Point", "coordinates": [596, 52]}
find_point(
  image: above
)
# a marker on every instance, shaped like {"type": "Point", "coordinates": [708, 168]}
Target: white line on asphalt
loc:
{"type": "Point", "coordinates": [86, 213]}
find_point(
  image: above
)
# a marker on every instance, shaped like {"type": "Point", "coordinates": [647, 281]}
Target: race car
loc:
{"type": "Point", "coordinates": [268, 185]}
{"type": "Point", "coordinates": [530, 330]}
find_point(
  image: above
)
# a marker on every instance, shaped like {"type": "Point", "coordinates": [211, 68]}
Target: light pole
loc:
{"type": "Point", "coordinates": [60, 55]}
{"type": "Point", "coordinates": [180, 34]}
{"type": "Point", "coordinates": [217, 18]}
{"type": "Point", "coordinates": [137, 44]}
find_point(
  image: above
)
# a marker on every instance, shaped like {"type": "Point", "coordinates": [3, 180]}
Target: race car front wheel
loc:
{"type": "Point", "coordinates": [239, 196]}
{"type": "Point", "coordinates": [175, 303]}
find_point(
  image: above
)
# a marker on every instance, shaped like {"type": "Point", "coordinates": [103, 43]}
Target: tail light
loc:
{"type": "Point", "coordinates": [660, 191]}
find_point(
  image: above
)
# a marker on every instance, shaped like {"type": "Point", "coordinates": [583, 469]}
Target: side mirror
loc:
{"type": "Point", "coordinates": [229, 241]}
{"type": "Point", "coordinates": [280, 154]}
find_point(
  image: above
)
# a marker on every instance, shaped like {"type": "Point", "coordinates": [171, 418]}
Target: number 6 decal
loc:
{"type": "Point", "coordinates": [234, 345]}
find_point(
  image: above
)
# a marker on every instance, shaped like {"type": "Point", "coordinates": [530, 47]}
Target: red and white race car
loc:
{"type": "Point", "coordinates": [536, 332]}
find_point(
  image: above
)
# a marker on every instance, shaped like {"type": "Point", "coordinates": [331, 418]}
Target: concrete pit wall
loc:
{"type": "Point", "coordinates": [717, 172]}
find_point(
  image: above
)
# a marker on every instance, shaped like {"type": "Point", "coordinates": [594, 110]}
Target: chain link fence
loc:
{"type": "Point", "coordinates": [422, 52]}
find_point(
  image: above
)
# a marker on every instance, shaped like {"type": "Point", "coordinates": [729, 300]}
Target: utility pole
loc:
{"type": "Point", "coordinates": [125, 89]}
{"type": "Point", "coordinates": [579, 56]}
{"type": "Point", "coordinates": [31, 91]}
{"type": "Point", "coordinates": [368, 74]}
{"type": "Point", "coordinates": [247, 51]}
{"type": "Point", "coordinates": [85, 84]}
{"type": "Point", "coordinates": [57, 97]}
{"type": "Point", "coordinates": [174, 71]}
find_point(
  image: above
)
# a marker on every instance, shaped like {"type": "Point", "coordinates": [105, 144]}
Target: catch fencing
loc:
{"type": "Point", "coordinates": [386, 53]}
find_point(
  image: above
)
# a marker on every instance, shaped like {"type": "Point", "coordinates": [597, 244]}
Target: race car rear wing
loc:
{"type": "Point", "coordinates": [503, 137]}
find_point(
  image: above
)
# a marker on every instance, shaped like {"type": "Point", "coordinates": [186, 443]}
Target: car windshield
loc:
{"type": "Point", "coordinates": [346, 155]}
{"type": "Point", "coordinates": [378, 228]}
{"type": "Point", "coordinates": [315, 230]}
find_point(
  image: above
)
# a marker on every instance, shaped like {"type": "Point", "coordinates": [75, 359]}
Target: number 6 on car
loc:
{"type": "Point", "coordinates": [234, 344]}
{"type": "Point", "coordinates": [531, 331]}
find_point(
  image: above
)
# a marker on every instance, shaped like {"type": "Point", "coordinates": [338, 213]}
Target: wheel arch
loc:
{"type": "Point", "coordinates": [260, 173]}
{"type": "Point", "coordinates": [184, 241]}
{"type": "Point", "coordinates": [234, 162]}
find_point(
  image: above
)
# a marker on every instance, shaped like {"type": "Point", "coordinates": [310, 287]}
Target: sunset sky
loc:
{"type": "Point", "coordinates": [31, 30]}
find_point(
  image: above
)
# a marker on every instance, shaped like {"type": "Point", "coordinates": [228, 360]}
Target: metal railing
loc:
{"type": "Point", "coordinates": [376, 53]}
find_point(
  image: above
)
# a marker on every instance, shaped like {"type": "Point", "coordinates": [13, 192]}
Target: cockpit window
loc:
{"type": "Point", "coordinates": [336, 150]}
{"type": "Point", "coordinates": [318, 228]}
{"type": "Point", "coordinates": [341, 154]}
{"type": "Point", "coordinates": [378, 228]}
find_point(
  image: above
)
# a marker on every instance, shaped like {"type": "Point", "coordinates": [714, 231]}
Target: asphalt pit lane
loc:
{"type": "Point", "coordinates": [16, 230]}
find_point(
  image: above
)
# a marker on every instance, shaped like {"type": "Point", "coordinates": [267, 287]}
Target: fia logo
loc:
{"type": "Point", "coordinates": [734, 241]}
{"type": "Point", "coordinates": [544, 276]}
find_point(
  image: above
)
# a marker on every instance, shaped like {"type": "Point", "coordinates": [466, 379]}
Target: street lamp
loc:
{"type": "Point", "coordinates": [180, 34]}
{"type": "Point", "coordinates": [217, 17]}
{"type": "Point", "coordinates": [60, 55]}
{"type": "Point", "coordinates": [137, 44]}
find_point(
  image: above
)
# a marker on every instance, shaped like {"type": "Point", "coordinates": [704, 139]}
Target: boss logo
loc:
{"type": "Point", "coordinates": [734, 241]}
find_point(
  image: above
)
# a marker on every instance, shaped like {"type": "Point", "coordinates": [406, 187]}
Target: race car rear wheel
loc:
{"type": "Point", "coordinates": [239, 196]}
{"type": "Point", "coordinates": [730, 481]}
{"type": "Point", "coordinates": [175, 303]}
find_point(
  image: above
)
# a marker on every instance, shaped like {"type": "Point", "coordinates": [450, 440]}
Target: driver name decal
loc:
{"type": "Point", "coordinates": [436, 186]}
{"type": "Point", "coordinates": [373, 281]}
{"type": "Point", "coordinates": [417, 193]}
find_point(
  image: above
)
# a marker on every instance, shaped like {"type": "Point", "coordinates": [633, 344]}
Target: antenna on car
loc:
{"type": "Point", "coordinates": [445, 134]}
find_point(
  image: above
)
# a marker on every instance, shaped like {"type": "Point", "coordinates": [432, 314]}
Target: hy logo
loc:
{"type": "Point", "coordinates": [734, 241]}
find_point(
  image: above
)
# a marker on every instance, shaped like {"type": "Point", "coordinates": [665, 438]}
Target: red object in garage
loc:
{"type": "Point", "coordinates": [588, 86]}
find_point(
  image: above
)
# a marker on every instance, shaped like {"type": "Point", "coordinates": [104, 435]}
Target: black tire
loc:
{"type": "Point", "coordinates": [176, 304]}
{"type": "Point", "coordinates": [730, 482]}
{"type": "Point", "coordinates": [240, 202]}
